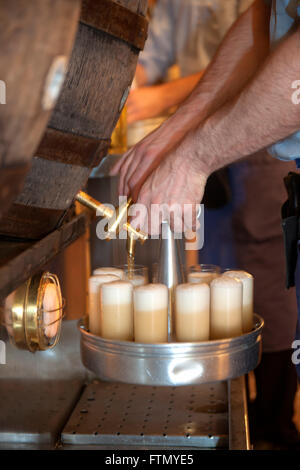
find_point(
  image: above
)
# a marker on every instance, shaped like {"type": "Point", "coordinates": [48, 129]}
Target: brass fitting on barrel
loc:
{"type": "Point", "coordinates": [94, 205]}
{"type": "Point", "coordinates": [132, 234]}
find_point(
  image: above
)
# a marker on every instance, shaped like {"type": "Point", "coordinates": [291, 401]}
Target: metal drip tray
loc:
{"type": "Point", "coordinates": [170, 364]}
{"type": "Point", "coordinates": [117, 415]}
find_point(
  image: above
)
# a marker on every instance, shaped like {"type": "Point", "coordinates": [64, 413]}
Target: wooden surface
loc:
{"type": "Point", "coordinates": [32, 35]}
{"type": "Point", "coordinates": [19, 260]}
{"type": "Point", "coordinates": [101, 70]}
{"type": "Point", "coordinates": [76, 271]}
{"type": "Point", "coordinates": [72, 149]}
{"type": "Point", "coordinates": [116, 20]}
{"type": "Point", "coordinates": [100, 73]}
{"type": "Point", "coordinates": [139, 6]}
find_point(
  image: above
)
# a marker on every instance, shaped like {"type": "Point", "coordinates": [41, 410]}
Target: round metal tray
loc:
{"type": "Point", "coordinates": [171, 363]}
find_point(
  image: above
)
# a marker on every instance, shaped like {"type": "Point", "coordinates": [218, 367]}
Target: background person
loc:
{"type": "Point", "coordinates": [176, 34]}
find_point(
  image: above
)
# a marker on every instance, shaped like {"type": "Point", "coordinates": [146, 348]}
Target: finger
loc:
{"type": "Point", "coordinates": [190, 213]}
{"type": "Point", "coordinates": [115, 170]}
{"type": "Point", "coordinates": [152, 224]}
{"type": "Point", "coordinates": [176, 220]}
{"type": "Point", "coordinates": [126, 162]}
{"type": "Point", "coordinates": [135, 163]}
{"type": "Point", "coordinates": [139, 220]}
{"type": "Point", "coordinates": [138, 166]}
{"type": "Point", "coordinates": [155, 219]}
{"type": "Point", "coordinates": [140, 175]}
{"type": "Point", "coordinates": [123, 188]}
{"type": "Point", "coordinates": [139, 161]}
{"type": "Point", "coordinates": [151, 160]}
{"type": "Point", "coordinates": [141, 208]}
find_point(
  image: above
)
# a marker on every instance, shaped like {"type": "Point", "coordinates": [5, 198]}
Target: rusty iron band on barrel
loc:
{"type": "Point", "coordinates": [31, 223]}
{"type": "Point", "coordinates": [9, 174]}
{"type": "Point", "coordinates": [116, 20]}
{"type": "Point", "coordinates": [72, 149]}
{"type": "Point", "coordinates": [11, 182]}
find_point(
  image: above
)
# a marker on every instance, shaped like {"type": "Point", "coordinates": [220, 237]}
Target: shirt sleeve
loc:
{"type": "Point", "coordinates": [159, 53]}
{"type": "Point", "coordinates": [287, 149]}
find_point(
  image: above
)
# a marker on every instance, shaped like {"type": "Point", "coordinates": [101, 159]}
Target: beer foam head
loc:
{"type": "Point", "coordinates": [201, 276]}
{"type": "Point", "coordinates": [191, 298]}
{"type": "Point", "coordinates": [96, 281]}
{"type": "Point", "coordinates": [190, 288]}
{"type": "Point", "coordinates": [137, 280]}
{"type": "Point", "coordinates": [242, 275]}
{"type": "Point", "coordinates": [116, 293]}
{"type": "Point", "coordinates": [110, 270]}
{"type": "Point", "coordinates": [150, 297]}
{"type": "Point", "coordinates": [226, 282]}
{"type": "Point", "coordinates": [247, 280]}
{"type": "Point", "coordinates": [226, 296]}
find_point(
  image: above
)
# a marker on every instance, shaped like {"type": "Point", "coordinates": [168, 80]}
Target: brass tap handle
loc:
{"type": "Point", "coordinates": [135, 234]}
{"type": "Point", "coordinates": [132, 236]}
{"type": "Point", "coordinates": [108, 213]}
{"type": "Point", "coordinates": [94, 205]}
{"type": "Point", "coordinates": [115, 227]}
{"type": "Point", "coordinates": [130, 246]}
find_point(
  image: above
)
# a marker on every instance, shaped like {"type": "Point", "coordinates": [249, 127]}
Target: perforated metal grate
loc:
{"type": "Point", "coordinates": [35, 411]}
{"type": "Point", "coordinates": [121, 414]}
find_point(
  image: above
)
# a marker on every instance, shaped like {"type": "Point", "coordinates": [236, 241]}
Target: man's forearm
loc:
{"type": "Point", "coordinates": [261, 115]}
{"type": "Point", "coordinates": [176, 91]}
{"type": "Point", "coordinates": [242, 51]}
{"type": "Point", "coordinates": [236, 62]}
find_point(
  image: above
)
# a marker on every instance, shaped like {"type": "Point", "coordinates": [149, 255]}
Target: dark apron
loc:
{"type": "Point", "coordinates": [291, 225]}
{"type": "Point", "coordinates": [247, 234]}
{"type": "Point", "coordinates": [291, 231]}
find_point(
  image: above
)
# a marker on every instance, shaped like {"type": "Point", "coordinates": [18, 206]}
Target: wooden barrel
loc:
{"type": "Point", "coordinates": [101, 69]}
{"type": "Point", "coordinates": [36, 40]}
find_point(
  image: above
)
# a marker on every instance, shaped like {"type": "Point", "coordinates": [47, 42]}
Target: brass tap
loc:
{"type": "Point", "coordinates": [132, 234]}
{"type": "Point", "coordinates": [94, 205]}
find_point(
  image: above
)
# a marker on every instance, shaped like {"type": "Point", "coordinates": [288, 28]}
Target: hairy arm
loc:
{"type": "Point", "coordinates": [243, 50]}
{"type": "Point", "coordinates": [240, 54]}
{"type": "Point", "coordinates": [152, 101]}
{"type": "Point", "coordinates": [259, 116]}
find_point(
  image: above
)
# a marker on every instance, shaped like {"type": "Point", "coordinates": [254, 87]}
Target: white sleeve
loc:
{"type": "Point", "coordinates": [159, 53]}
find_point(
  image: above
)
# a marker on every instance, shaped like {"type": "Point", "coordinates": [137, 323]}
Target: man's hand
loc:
{"type": "Point", "coordinates": [236, 62]}
{"type": "Point", "coordinates": [144, 103]}
{"type": "Point", "coordinates": [172, 191]}
{"type": "Point", "coordinates": [230, 133]}
{"type": "Point", "coordinates": [138, 163]}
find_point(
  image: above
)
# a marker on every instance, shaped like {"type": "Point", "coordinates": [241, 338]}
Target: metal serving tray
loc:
{"type": "Point", "coordinates": [171, 363]}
